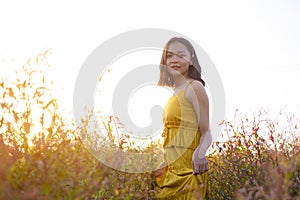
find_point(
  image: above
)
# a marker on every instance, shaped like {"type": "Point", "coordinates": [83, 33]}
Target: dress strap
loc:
{"type": "Point", "coordinates": [185, 87]}
{"type": "Point", "coordinates": [188, 85]}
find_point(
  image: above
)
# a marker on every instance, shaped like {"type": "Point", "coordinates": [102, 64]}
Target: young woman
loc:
{"type": "Point", "coordinates": [186, 133]}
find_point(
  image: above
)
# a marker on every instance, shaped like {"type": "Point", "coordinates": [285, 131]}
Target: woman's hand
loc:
{"type": "Point", "coordinates": [199, 162]}
{"type": "Point", "coordinates": [161, 170]}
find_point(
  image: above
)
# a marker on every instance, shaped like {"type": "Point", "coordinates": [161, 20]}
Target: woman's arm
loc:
{"type": "Point", "coordinates": [196, 94]}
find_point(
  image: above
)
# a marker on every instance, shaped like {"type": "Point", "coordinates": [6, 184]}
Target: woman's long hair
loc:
{"type": "Point", "coordinates": [194, 70]}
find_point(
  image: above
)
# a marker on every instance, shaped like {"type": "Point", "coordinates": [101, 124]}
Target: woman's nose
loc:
{"type": "Point", "coordinates": [174, 58]}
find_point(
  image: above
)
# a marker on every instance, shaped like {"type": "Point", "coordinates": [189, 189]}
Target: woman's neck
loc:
{"type": "Point", "coordinates": [181, 82]}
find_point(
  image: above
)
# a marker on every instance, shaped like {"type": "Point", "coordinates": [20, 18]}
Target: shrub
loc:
{"type": "Point", "coordinates": [259, 160]}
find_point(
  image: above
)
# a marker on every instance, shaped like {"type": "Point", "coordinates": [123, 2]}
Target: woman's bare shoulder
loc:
{"type": "Point", "coordinates": [196, 91]}
{"type": "Point", "coordinates": [196, 87]}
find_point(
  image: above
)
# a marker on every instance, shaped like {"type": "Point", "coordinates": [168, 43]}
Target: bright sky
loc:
{"type": "Point", "coordinates": [255, 45]}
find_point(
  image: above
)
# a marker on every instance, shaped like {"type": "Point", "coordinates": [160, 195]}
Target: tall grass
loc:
{"type": "Point", "coordinates": [260, 159]}
{"type": "Point", "coordinates": [43, 157]}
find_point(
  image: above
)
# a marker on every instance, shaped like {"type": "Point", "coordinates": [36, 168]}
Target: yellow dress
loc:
{"type": "Point", "coordinates": [181, 138]}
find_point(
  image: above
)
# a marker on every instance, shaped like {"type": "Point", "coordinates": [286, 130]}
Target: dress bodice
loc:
{"type": "Point", "coordinates": [180, 122]}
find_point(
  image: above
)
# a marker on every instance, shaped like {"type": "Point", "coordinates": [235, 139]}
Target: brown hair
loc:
{"type": "Point", "coordinates": [194, 71]}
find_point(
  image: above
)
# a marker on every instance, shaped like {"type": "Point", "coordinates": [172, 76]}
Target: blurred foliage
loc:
{"type": "Point", "coordinates": [259, 159]}
{"type": "Point", "coordinates": [43, 157]}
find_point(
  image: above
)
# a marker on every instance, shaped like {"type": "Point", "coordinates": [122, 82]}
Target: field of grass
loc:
{"type": "Point", "coordinates": [43, 157]}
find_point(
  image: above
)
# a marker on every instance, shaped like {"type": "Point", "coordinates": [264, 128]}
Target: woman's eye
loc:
{"type": "Point", "coordinates": [177, 55]}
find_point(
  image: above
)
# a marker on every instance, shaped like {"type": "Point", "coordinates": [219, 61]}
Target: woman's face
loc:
{"type": "Point", "coordinates": [178, 59]}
